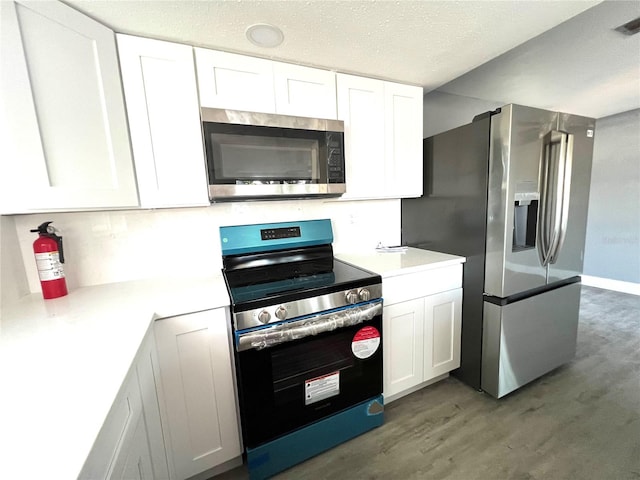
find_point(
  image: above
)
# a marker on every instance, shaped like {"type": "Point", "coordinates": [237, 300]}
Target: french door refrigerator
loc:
{"type": "Point", "coordinates": [509, 191]}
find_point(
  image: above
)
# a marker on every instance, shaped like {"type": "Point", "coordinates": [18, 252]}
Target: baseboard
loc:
{"type": "Point", "coordinates": [222, 468]}
{"type": "Point", "coordinates": [608, 284]}
{"type": "Point", "coordinates": [390, 398]}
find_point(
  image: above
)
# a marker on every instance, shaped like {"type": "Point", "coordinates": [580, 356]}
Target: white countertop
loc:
{"type": "Point", "coordinates": [392, 263]}
{"type": "Point", "coordinates": [62, 362]}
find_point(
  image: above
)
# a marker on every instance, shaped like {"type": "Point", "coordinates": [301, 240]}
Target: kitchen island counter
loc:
{"type": "Point", "coordinates": [63, 361]}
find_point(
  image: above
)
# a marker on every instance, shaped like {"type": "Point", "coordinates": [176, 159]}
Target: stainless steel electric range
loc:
{"type": "Point", "coordinates": [307, 340]}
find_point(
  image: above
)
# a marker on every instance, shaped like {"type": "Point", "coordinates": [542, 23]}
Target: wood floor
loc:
{"type": "Point", "coordinates": [581, 421]}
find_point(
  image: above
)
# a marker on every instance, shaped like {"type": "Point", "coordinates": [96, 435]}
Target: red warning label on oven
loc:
{"type": "Point", "coordinates": [319, 388]}
{"type": "Point", "coordinates": [365, 342]}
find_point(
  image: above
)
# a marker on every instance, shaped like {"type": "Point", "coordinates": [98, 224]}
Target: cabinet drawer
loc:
{"type": "Point", "coordinates": [414, 285]}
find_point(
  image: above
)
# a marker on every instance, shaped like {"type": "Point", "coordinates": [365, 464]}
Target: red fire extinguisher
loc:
{"type": "Point", "coordinates": [49, 259]}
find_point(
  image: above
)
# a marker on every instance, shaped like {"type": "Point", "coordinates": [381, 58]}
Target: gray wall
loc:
{"type": "Point", "coordinates": [444, 111]}
{"type": "Point", "coordinates": [612, 248]}
{"type": "Point", "coordinates": [613, 230]}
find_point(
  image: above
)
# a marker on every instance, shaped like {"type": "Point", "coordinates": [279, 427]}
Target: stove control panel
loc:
{"type": "Point", "coordinates": [264, 316]}
{"type": "Point", "coordinates": [278, 312]}
{"type": "Point", "coordinates": [281, 313]}
{"type": "Point", "coordinates": [279, 233]}
{"type": "Point", "coordinates": [351, 296]}
{"type": "Point", "coordinates": [364, 294]}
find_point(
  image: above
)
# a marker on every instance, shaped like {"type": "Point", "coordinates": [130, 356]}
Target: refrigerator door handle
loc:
{"type": "Point", "coordinates": [566, 166]}
{"type": "Point", "coordinates": [543, 219]}
{"type": "Point", "coordinates": [554, 194]}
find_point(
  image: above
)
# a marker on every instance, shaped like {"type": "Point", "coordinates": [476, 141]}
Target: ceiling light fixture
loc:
{"type": "Point", "coordinates": [264, 35]}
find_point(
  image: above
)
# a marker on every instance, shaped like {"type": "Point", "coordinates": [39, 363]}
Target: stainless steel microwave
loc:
{"type": "Point", "coordinates": [262, 156]}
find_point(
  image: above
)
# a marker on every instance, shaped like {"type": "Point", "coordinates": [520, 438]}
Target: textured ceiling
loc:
{"type": "Point", "coordinates": [582, 67]}
{"type": "Point", "coordinates": [427, 43]}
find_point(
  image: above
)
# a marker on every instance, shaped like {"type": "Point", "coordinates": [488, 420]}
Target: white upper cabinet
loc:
{"type": "Point", "coordinates": [361, 108]}
{"type": "Point", "coordinates": [383, 137]}
{"type": "Point", "coordinates": [65, 143]}
{"type": "Point", "coordinates": [304, 91]}
{"type": "Point", "coordinates": [238, 82]}
{"type": "Point", "coordinates": [235, 82]}
{"type": "Point", "coordinates": [164, 120]}
{"type": "Point", "coordinates": [403, 140]}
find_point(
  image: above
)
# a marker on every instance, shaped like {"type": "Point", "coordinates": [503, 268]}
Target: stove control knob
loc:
{"type": "Point", "coordinates": [281, 313]}
{"type": "Point", "coordinates": [364, 294]}
{"type": "Point", "coordinates": [264, 316]}
{"type": "Point", "coordinates": [351, 297]}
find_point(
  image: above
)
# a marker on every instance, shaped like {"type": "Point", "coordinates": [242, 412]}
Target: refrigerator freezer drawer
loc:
{"type": "Point", "coordinates": [526, 339]}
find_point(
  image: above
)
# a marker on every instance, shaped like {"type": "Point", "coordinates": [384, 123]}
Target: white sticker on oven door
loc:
{"type": "Point", "coordinates": [365, 342]}
{"type": "Point", "coordinates": [319, 388]}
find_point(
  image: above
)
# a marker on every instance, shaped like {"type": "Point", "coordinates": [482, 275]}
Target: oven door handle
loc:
{"type": "Point", "coordinates": [295, 330]}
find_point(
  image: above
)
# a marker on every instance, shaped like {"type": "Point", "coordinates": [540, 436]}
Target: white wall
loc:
{"type": "Point", "coordinates": [13, 280]}
{"type": "Point", "coordinates": [115, 246]}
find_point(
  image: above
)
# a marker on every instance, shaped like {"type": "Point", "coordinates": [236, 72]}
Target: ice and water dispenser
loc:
{"type": "Point", "coordinates": [525, 220]}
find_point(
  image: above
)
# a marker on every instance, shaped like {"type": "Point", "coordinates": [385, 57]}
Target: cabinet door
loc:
{"type": "Point", "coordinates": [118, 434]}
{"type": "Point", "coordinates": [236, 82]}
{"type": "Point", "coordinates": [65, 139]}
{"type": "Point", "coordinates": [151, 413]}
{"type": "Point", "coordinates": [403, 345]}
{"type": "Point", "coordinates": [134, 461]}
{"type": "Point", "coordinates": [164, 119]}
{"type": "Point", "coordinates": [361, 107]}
{"type": "Point", "coordinates": [403, 140]}
{"type": "Point", "coordinates": [304, 91]}
{"type": "Point", "coordinates": [443, 318]}
{"type": "Point", "coordinates": [198, 390]}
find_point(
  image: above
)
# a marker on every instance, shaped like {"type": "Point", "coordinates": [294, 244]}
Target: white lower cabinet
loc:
{"type": "Point", "coordinates": [442, 329]}
{"type": "Point", "coordinates": [146, 364]}
{"type": "Point", "coordinates": [130, 444]}
{"type": "Point", "coordinates": [403, 327]}
{"type": "Point", "coordinates": [197, 394]}
{"type": "Point", "coordinates": [421, 333]}
{"type": "Point", "coordinates": [134, 462]}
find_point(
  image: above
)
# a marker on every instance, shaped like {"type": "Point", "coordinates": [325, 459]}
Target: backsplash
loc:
{"type": "Point", "coordinates": [115, 246]}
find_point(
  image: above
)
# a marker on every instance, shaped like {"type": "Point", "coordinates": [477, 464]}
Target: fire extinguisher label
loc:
{"type": "Point", "coordinates": [49, 266]}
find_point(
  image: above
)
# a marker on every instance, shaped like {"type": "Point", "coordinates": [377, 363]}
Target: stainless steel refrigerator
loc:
{"type": "Point", "coordinates": [509, 191]}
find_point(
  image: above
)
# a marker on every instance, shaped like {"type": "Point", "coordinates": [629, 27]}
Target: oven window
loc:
{"type": "Point", "coordinates": [293, 365]}
{"type": "Point", "coordinates": [246, 158]}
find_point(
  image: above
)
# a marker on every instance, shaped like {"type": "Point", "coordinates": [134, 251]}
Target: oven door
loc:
{"type": "Point", "coordinates": [294, 374]}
